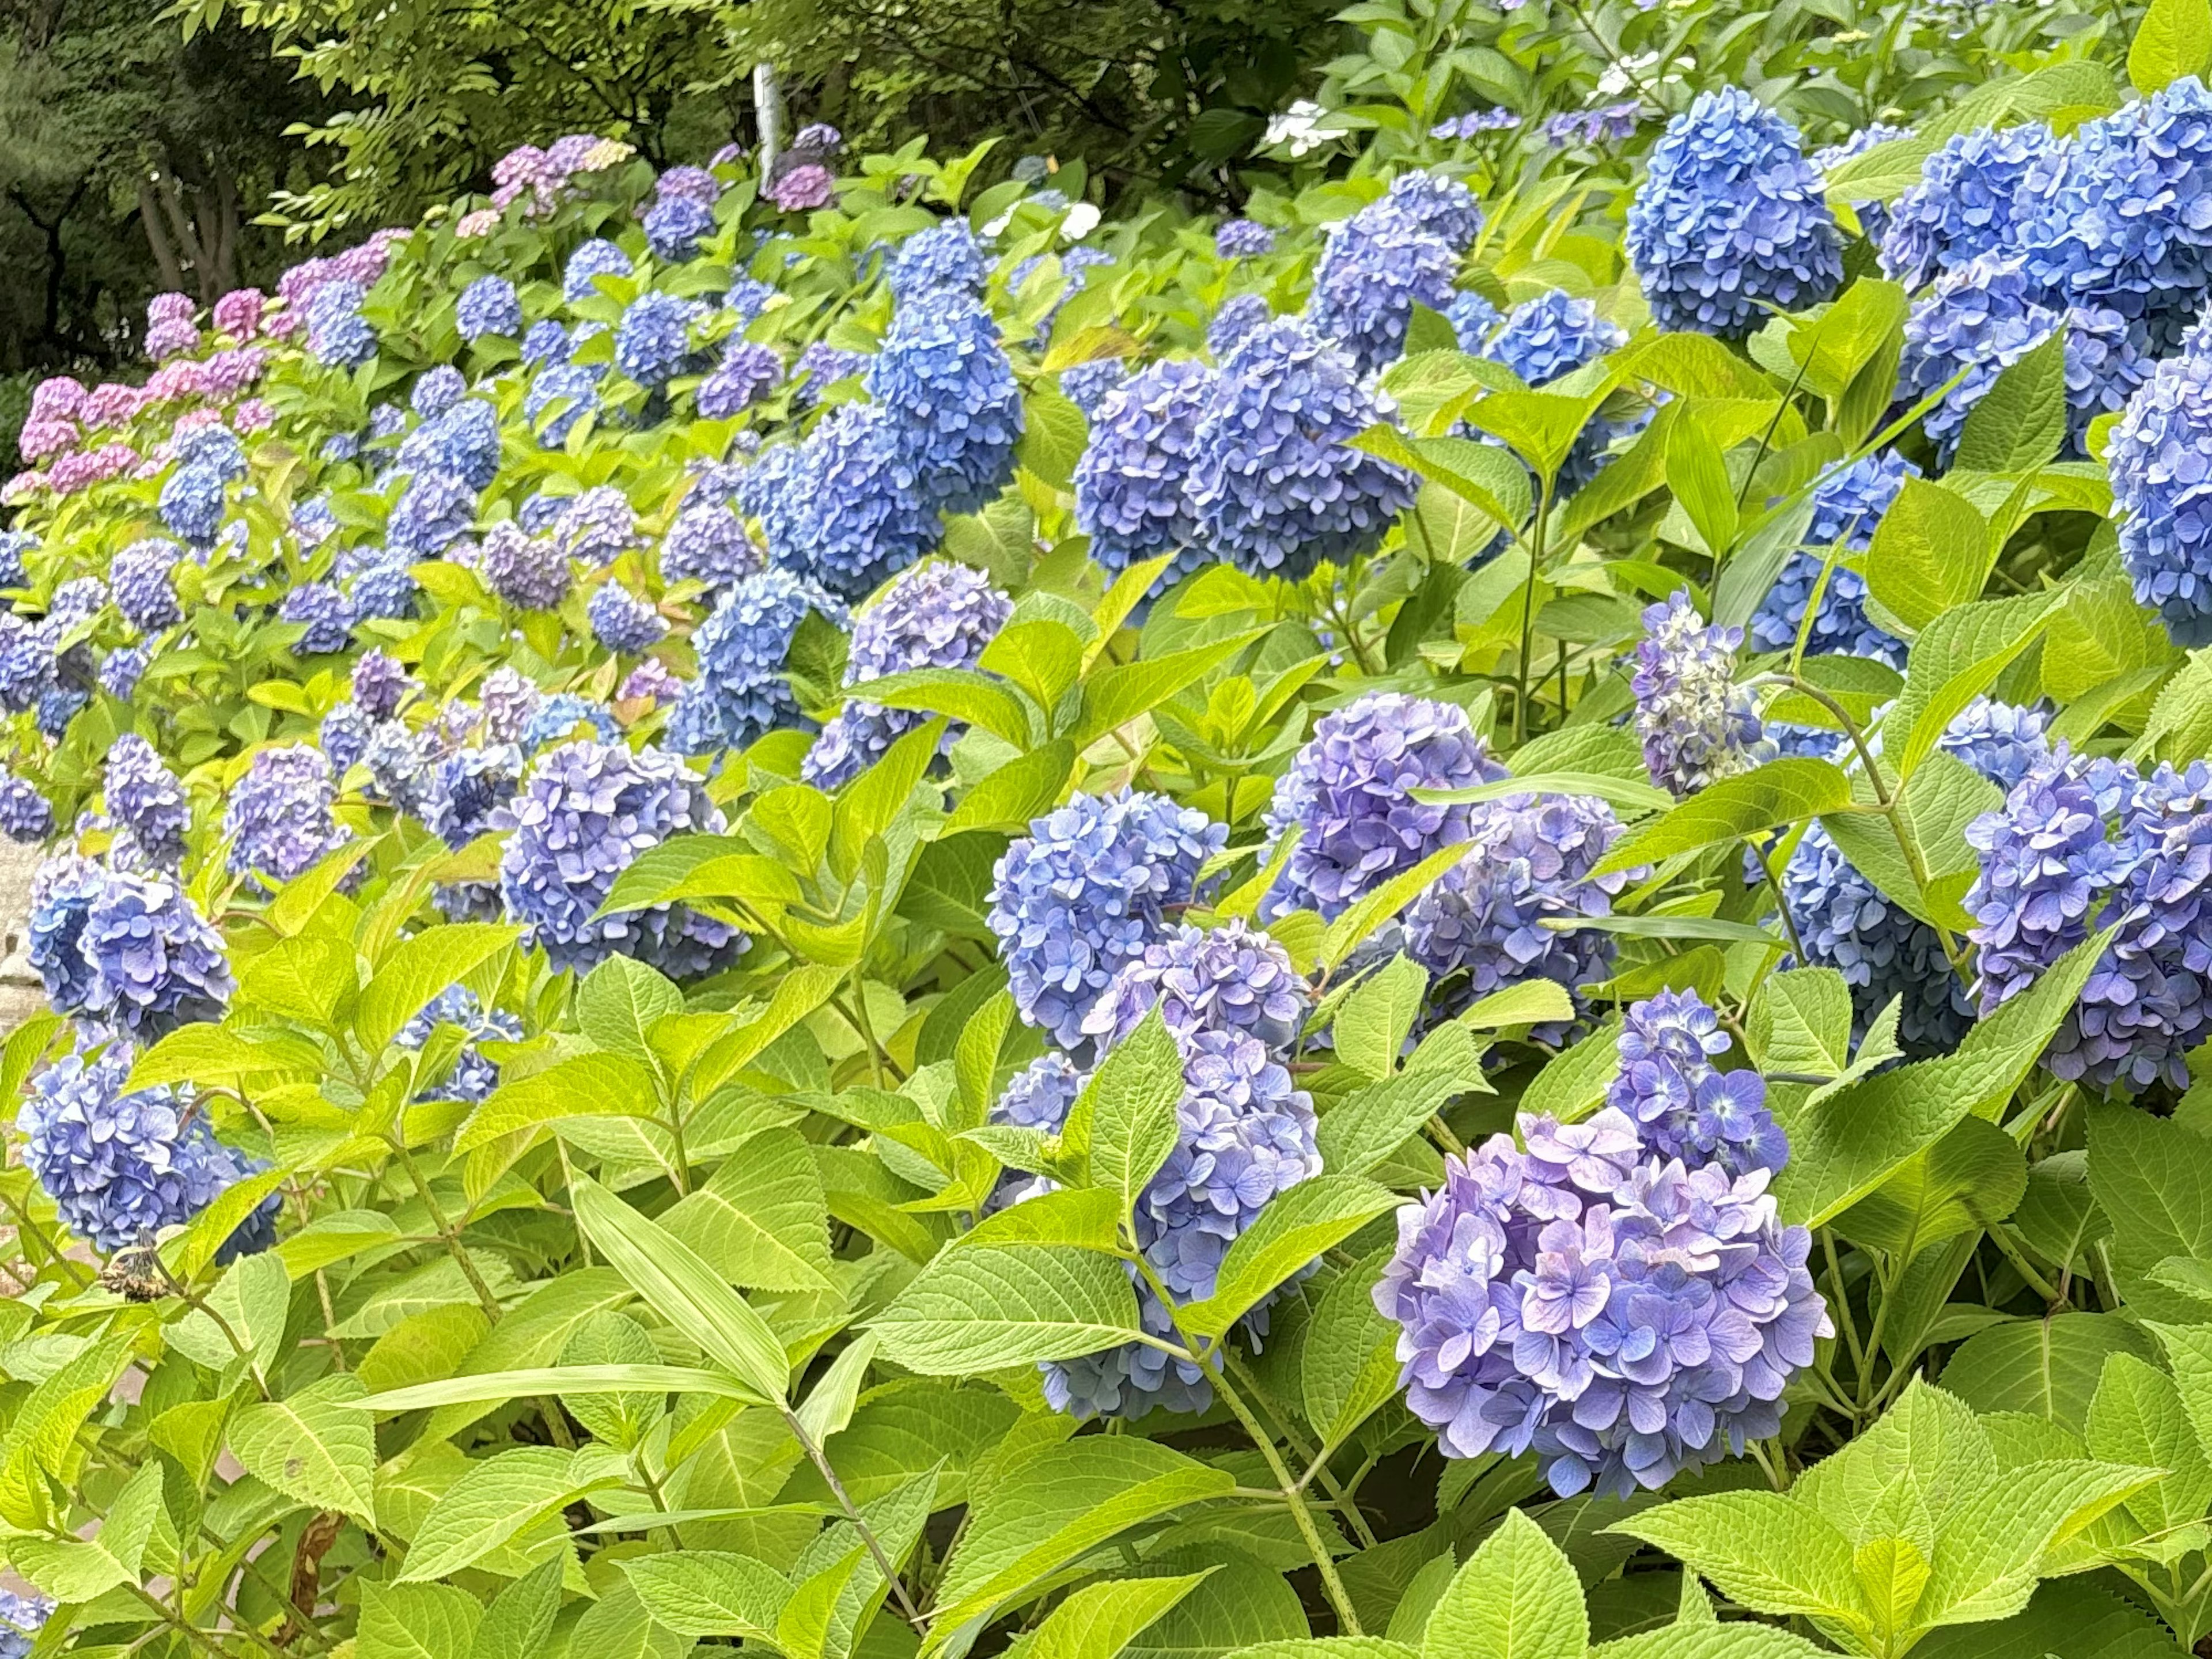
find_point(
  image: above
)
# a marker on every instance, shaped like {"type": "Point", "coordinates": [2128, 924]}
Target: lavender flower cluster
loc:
{"type": "Point", "coordinates": [1697, 724]}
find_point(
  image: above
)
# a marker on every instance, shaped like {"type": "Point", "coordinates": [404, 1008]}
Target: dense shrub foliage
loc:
{"type": "Point", "coordinates": [830, 912]}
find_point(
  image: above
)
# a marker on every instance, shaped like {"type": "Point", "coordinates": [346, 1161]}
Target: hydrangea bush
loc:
{"type": "Point", "coordinates": [824, 908]}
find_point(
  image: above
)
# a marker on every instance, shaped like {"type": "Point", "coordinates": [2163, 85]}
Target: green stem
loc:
{"type": "Point", "coordinates": [821, 1461]}
{"type": "Point", "coordinates": [1540, 531]}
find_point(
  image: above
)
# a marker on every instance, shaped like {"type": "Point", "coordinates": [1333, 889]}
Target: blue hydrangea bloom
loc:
{"type": "Point", "coordinates": [547, 344]}
{"type": "Point", "coordinates": [278, 822]}
{"type": "Point", "coordinates": [586, 812]}
{"type": "Point", "coordinates": [742, 691]}
{"type": "Point", "coordinates": [623, 623]}
{"type": "Point", "coordinates": [1349, 795]}
{"type": "Point", "coordinates": [121, 1166]}
{"type": "Point", "coordinates": [555, 719]}
{"type": "Point", "coordinates": [937, 616]}
{"type": "Point", "coordinates": [474, 1075]}
{"type": "Point", "coordinates": [343, 735]}
{"type": "Point", "coordinates": [1376, 267]}
{"type": "Point", "coordinates": [747, 374]}
{"type": "Point", "coordinates": [1081, 895]}
{"type": "Point", "coordinates": [954, 410]}
{"type": "Point", "coordinates": [1883, 952]}
{"type": "Point", "coordinates": [850, 509]}
{"type": "Point", "coordinates": [942, 260]}
{"type": "Point", "coordinates": [466, 787]}
{"type": "Point", "coordinates": [379, 584]}
{"type": "Point", "coordinates": [1039, 1095]}
{"type": "Point", "coordinates": [575, 388]}
{"type": "Point", "coordinates": [2081, 843]}
{"type": "Point", "coordinates": [27, 662]}
{"type": "Point", "coordinates": [1732, 220]}
{"type": "Point", "coordinates": [529, 571]}
{"type": "Point", "coordinates": [1529, 864]}
{"type": "Point", "coordinates": [380, 684]}
{"type": "Point", "coordinates": [2002, 741]}
{"type": "Point", "coordinates": [24, 1616]}
{"type": "Point", "coordinates": [1243, 239]}
{"type": "Point", "coordinates": [2161, 466]}
{"type": "Point", "coordinates": [1982, 317]}
{"type": "Point", "coordinates": [1244, 1134]}
{"type": "Point", "coordinates": [192, 504]}
{"type": "Point", "coordinates": [1622, 1317]}
{"type": "Point", "coordinates": [707, 543]}
{"type": "Point", "coordinates": [1698, 724]}
{"type": "Point", "coordinates": [1847, 505]}
{"type": "Point", "coordinates": [1129, 494]}
{"type": "Point", "coordinates": [26, 815]}
{"type": "Point", "coordinates": [1276, 487]}
{"type": "Point", "coordinates": [325, 615]}
{"type": "Point", "coordinates": [121, 669]}
{"type": "Point", "coordinates": [16, 548]}
{"type": "Point", "coordinates": [820, 365]}
{"type": "Point", "coordinates": [433, 512]}
{"type": "Point", "coordinates": [1086, 383]}
{"type": "Point", "coordinates": [338, 336]}
{"type": "Point", "coordinates": [157, 962]}
{"type": "Point", "coordinates": [1684, 1106]}
{"type": "Point", "coordinates": [58, 708]}
{"type": "Point", "coordinates": [674, 227]}
{"type": "Point", "coordinates": [1552, 335]}
{"type": "Point", "coordinates": [489, 305]}
{"type": "Point", "coordinates": [144, 576]}
{"type": "Point", "coordinates": [61, 892]}
{"type": "Point", "coordinates": [436, 389]}
{"type": "Point", "coordinates": [597, 527]}
{"type": "Point", "coordinates": [590, 261]}
{"type": "Point", "coordinates": [1231, 979]}
{"type": "Point", "coordinates": [398, 760]}
{"type": "Point", "coordinates": [1473, 320]}
{"type": "Point", "coordinates": [1964, 205]}
{"type": "Point", "coordinates": [1873, 214]}
{"type": "Point", "coordinates": [653, 339]}
{"type": "Point", "coordinates": [313, 522]}
{"type": "Point", "coordinates": [1240, 313]}
{"type": "Point", "coordinates": [462, 439]}
{"type": "Point", "coordinates": [146, 800]}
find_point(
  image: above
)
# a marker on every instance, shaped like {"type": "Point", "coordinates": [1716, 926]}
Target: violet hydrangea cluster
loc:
{"type": "Point", "coordinates": [279, 822]}
{"type": "Point", "coordinates": [1621, 1315]}
{"type": "Point", "coordinates": [1698, 725]}
{"type": "Point", "coordinates": [586, 812]}
{"type": "Point", "coordinates": [2081, 843]}
{"type": "Point", "coordinates": [1349, 797]}
{"type": "Point", "coordinates": [1733, 220]}
{"type": "Point", "coordinates": [1085, 892]}
{"type": "Point", "coordinates": [157, 962]}
{"type": "Point", "coordinates": [147, 801]}
{"type": "Point", "coordinates": [1682, 1104]}
{"type": "Point", "coordinates": [936, 615]}
{"type": "Point", "coordinates": [1231, 978]}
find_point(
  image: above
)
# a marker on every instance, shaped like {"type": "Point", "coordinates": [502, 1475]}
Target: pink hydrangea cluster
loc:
{"type": "Point", "coordinates": [803, 188]}
{"type": "Point", "coordinates": [227, 374]}
{"type": "Point", "coordinates": [170, 330]}
{"type": "Point", "coordinates": [57, 398]}
{"type": "Point", "coordinates": [84, 468]}
{"type": "Point", "coordinates": [41, 440]}
{"type": "Point", "coordinates": [363, 264]}
{"type": "Point", "coordinates": [543, 174]}
{"type": "Point", "coordinates": [238, 314]}
{"type": "Point", "coordinates": [253, 414]}
{"type": "Point", "coordinates": [113, 404]}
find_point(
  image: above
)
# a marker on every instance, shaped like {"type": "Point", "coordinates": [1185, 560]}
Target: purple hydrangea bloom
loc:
{"type": "Point", "coordinates": [16, 548]}
{"type": "Point", "coordinates": [1086, 383]}
{"type": "Point", "coordinates": [953, 409]}
{"type": "Point", "coordinates": [622, 622]}
{"type": "Point", "coordinates": [508, 701]}
{"type": "Point", "coordinates": [26, 815]}
{"type": "Point", "coordinates": [1239, 314]}
{"type": "Point", "coordinates": [192, 503]}
{"type": "Point", "coordinates": [343, 735]}
{"type": "Point", "coordinates": [529, 571]}
{"type": "Point", "coordinates": [651, 682]}
{"type": "Point", "coordinates": [2161, 466]}
{"type": "Point", "coordinates": [590, 262]}
{"type": "Point", "coordinates": [803, 188]}
{"type": "Point", "coordinates": [1276, 487]}
{"type": "Point", "coordinates": [1622, 1317]}
{"type": "Point", "coordinates": [1683, 1106]}
{"type": "Point", "coordinates": [1985, 315]}
{"type": "Point", "coordinates": [1475, 123]}
{"type": "Point", "coordinates": [437, 389]}
{"type": "Point", "coordinates": [942, 260]}
{"type": "Point", "coordinates": [120, 670]}
{"type": "Point", "coordinates": [597, 527]}
{"type": "Point", "coordinates": [1349, 794]}
{"type": "Point", "coordinates": [1599, 125]}
{"type": "Point", "coordinates": [2002, 741]}
{"type": "Point", "coordinates": [146, 800]}
{"type": "Point", "coordinates": [1698, 724]}
{"type": "Point", "coordinates": [1244, 1134]}
{"type": "Point", "coordinates": [27, 662]}
{"type": "Point", "coordinates": [674, 227]}
{"type": "Point", "coordinates": [398, 760]}
{"type": "Point", "coordinates": [157, 962]}
{"type": "Point", "coordinates": [1964, 205]}
{"type": "Point", "coordinates": [325, 615]}
{"type": "Point", "coordinates": [435, 510]}
{"type": "Point", "coordinates": [380, 683]}
{"type": "Point", "coordinates": [1847, 505]}
{"type": "Point", "coordinates": [2082, 843]}
{"type": "Point", "coordinates": [1233, 979]}
{"type": "Point", "coordinates": [586, 810]}
{"type": "Point", "coordinates": [747, 374]}
{"type": "Point", "coordinates": [474, 1076]}
{"type": "Point", "coordinates": [707, 543]}
{"type": "Point", "coordinates": [121, 1166]}
{"type": "Point", "coordinates": [278, 822]}
{"type": "Point", "coordinates": [742, 691]}
{"type": "Point", "coordinates": [1040, 1094]}
{"type": "Point", "coordinates": [23, 1617]}
{"type": "Point", "coordinates": [1732, 220]}
{"type": "Point", "coordinates": [1243, 239]}
{"type": "Point", "coordinates": [1129, 493]}
{"type": "Point", "coordinates": [144, 576]}
{"type": "Point", "coordinates": [653, 340]}
{"type": "Point", "coordinates": [489, 305]}
{"type": "Point", "coordinates": [819, 365]}
{"type": "Point", "coordinates": [466, 787]}
{"type": "Point", "coordinates": [936, 615]}
{"type": "Point", "coordinates": [1529, 865]}
{"type": "Point", "coordinates": [1085, 892]}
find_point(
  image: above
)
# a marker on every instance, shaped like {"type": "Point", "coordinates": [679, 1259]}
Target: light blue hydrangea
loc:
{"type": "Point", "coordinates": [952, 406]}
{"type": "Point", "coordinates": [742, 691]}
{"type": "Point", "coordinates": [2161, 466]}
{"type": "Point", "coordinates": [1964, 205]}
{"type": "Point", "coordinates": [1129, 483]}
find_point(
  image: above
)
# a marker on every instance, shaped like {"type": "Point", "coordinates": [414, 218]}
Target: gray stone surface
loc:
{"type": "Point", "coordinates": [20, 992]}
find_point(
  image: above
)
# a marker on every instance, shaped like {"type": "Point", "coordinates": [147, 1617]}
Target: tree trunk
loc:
{"type": "Point", "coordinates": [165, 252]}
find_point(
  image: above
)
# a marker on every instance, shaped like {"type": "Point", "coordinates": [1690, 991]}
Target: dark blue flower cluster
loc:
{"type": "Point", "coordinates": [742, 691]}
{"type": "Point", "coordinates": [1085, 892]}
{"type": "Point", "coordinates": [489, 305]}
{"type": "Point", "coordinates": [529, 571]}
{"type": "Point", "coordinates": [1243, 239]}
{"type": "Point", "coordinates": [580, 278]}
{"type": "Point", "coordinates": [1623, 1315]}
{"type": "Point", "coordinates": [1376, 266]}
{"type": "Point", "coordinates": [1732, 220]}
{"type": "Point", "coordinates": [653, 340]}
{"type": "Point", "coordinates": [1086, 383]}
{"type": "Point", "coordinates": [1698, 724]}
{"type": "Point", "coordinates": [1238, 315]}
{"type": "Point", "coordinates": [26, 815]}
{"type": "Point", "coordinates": [461, 440]}
{"type": "Point", "coordinates": [157, 962]}
{"type": "Point", "coordinates": [145, 576]}
{"type": "Point", "coordinates": [434, 511]}
{"type": "Point", "coordinates": [1848, 503]}
{"type": "Point", "coordinates": [324, 614]}
{"type": "Point", "coordinates": [709, 543]}
{"type": "Point", "coordinates": [943, 260]}
{"type": "Point", "coordinates": [848, 510]}
{"type": "Point", "coordinates": [622, 622]}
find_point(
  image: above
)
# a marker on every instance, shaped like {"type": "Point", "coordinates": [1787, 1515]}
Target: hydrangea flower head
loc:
{"type": "Point", "coordinates": [192, 503]}
{"type": "Point", "coordinates": [1086, 383]}
{"type": "Point", "coordinates": [1731, 221]}
{"type": "Point", "coordinates": [157, 962]}
{"type": "Point", "coordinates": [1698, 725]}
{"type": "Point", "coordinates": [462, 439]}
{"type": "Point", "coordinates": [803, 188]}
{"type": "Point", "coordinates": [338, 336]}
{"type": "Point", "coordinates": [1963, 206]}
{"type": "Point", "coordinates": [474, 1075]}
{"type": "Point", "coordinates": [1376, 267]}
{"type": "Point", "coordinates": [1349, 795]}
{"type": "Point", "coordinates": [146, 799]}
{"type": "Point", "coordinates": [653, 339]}
{"type": "Point", "coordinates": [1085, 892]}
{"type": "Point", "coordinates": [590, 261]}
{"type": "Point", "coordinates": [529, 571]}
{"type": "Point", "coordinates": [278, 822]}
{"type": "Point", "coordinates": [2161, 466]}
{"type": "Point", "coordinates": [324, 614]}
{"type": "Point", "coordinates": [26, 815]}
{"type": "Point", "coordinates": [1243, 239]}
{"type": "Point", "coordinates": [1276, 487]}
{"type": "Point", "coordinates": [742, 691]}
{"type": "Point", "coordinates": [1230, 979]}
{"type": "Point", "coordinates": [675, 225]}
{"type": "Point", "coordinates": [1129, 493]}
{"type": "Point", "coordinates": [587, 812]}
{"type": "Point", "coordinates": [849, 507]}
{"type": "Point", "coordinates": [820, 365]}
{"type": "Point", "coordinates": [1684, 1107]}
{"type": "Point", "coordinates": [465, 788]}
{"type": "Point", "coordinates": [622, 622]}
{"type": "Point", "coordinates": [559, 717]}
{"type": "Point", "coordinates": [948, 390]}
{"type": "Point", "coordinates": [488, 305]}
{"type": "Point", "coordinates": [1622, 1315]}
{"type": "Point", "coordinates": [1847, 505]}
{"type": "Point", "coordinates": [707, 543]}
{"type": "Point", "coordinates": [1239, 314]}
{"type": "Point", "coordinates": [597, 527]}
{"type": "Point", "coordinates": [434, 511]}
{"type": "Point", "coordinates": [144, 577]}
{"type": "Point", "coordinates": [1883, 952]}
{"type": "Point", "coordinates": [942, 260]}
{"type": "Point", "coordinates": [748, 373]}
